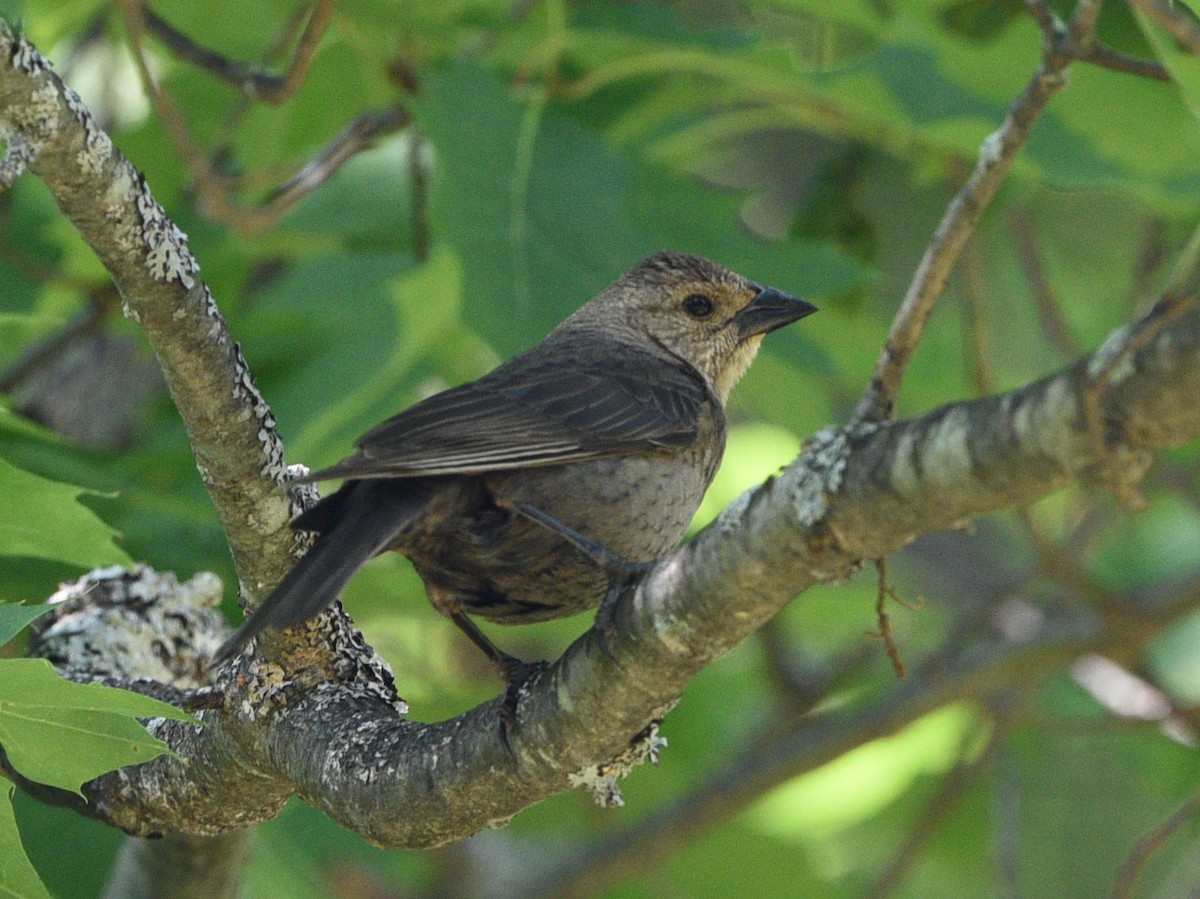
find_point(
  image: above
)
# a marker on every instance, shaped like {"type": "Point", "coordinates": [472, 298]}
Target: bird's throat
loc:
{"type": "Point", "coordinates": [743, 355]}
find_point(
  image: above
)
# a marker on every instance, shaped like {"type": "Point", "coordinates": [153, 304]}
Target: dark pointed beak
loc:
{"type": "Point", "coordinates": [769, 310]}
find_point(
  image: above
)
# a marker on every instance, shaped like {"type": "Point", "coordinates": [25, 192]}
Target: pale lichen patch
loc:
{"type": "Point", "coordinates": [116, 622]}
{"type": "Point", "coordinates": [167, 257]}
{"type": "Point", "coordinates": [946, 453]}
{"type": "Point", "coordinates": [246, 392]}
{"type": "Point", "coordinates": [97, 147]}
{"type": "Point", "coordinates": [1047, 423]}
{"type": "Point", "coordinates": [602, 780]}
{"type": "Point", "coordinates": [991, 148]}
{"type": "Point", "coordinates": [1108, 361]}
{"type": "Point", "coordinates": [904, 473]}
{"type": "Point", "coordinates": [819, 473]}
{"type": "Point", "coordinates": [19, 155]}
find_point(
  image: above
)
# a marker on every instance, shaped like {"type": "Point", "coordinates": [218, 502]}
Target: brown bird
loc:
{"type": "Point", "coordinates": [520, 496]}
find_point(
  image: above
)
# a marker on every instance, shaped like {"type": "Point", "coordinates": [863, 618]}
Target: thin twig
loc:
{"type": "Point", "coordinates": [1028, 249]}
{"type": "Point", "coordinates": [1151, 257]}
{"type": "Point", "coordinates": [1149, 845]}
{"type": "Point", "coordinates": [978, 337]}
{"type": "Point", "coordinates": [254, 82]}
{"type": "Point", "coordinates": [1064, 568]}
{"type": "Point", "coordinates": [1095, 52]}
{"type": "Point", "coordinates": [1108, 58]}
{"type": "Point", "coordinates": [355, 137]}
{"type": "Point", "coordinates": [273, 54]}
{"type": "Point", "coordinates": [887, 591]}
{"type": "Point", "coordinates": [1046, 18]}
{"type": "Point", "coordinates": [206, 180]}
{"type": "Point", "coordinates": [996, 156]}
{"type": "Point", "coordinates": [215, 188]}
{"type": "Point", "coordinates": [1174, 19]}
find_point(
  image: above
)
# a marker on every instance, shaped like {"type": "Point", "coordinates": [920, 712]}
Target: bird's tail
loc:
{"type": "Point", "coordinates": [356, 523]}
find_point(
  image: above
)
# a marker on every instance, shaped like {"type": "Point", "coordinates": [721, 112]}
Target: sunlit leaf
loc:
{"type": "Point", "coordinates": [44, 519]}
{"type": "Point", "coordinates": [63, 734]}
{"type": "Point", "coordinates": [17, 877]}
{"type": "Point", "coordinates": [14, 617]}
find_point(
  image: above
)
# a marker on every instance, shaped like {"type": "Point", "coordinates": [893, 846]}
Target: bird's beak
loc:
{"type": "Point", "coordinates": [769, 310]}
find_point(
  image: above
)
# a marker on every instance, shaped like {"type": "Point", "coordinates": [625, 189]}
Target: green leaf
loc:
{"type": "Point", "coordinates": [19, 426]}
{"type": "Point", "coordinates": [536, 239]}
{"type": "Point", "coordinates": [64, 734]}
{"type": "Point", "coordinates": [14, 617]}
{"type": "Point", "coordinates": [44, 519]}
{"type": "Point", "coordinates": [426, 301]}
{"type": "Point", "coordinates": [1183, 66]}
{"type": "Point", "coordinates": [18, 332]}
{"type": "Point", "coordinates": [17, 877]}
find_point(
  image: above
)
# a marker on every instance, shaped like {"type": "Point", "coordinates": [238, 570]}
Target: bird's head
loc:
{"type": "Point", "coordinates": [695, 310]}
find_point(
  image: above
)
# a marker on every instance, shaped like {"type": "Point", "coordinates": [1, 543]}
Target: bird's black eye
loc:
{"type": "Point", "coordinates": [697, 305]}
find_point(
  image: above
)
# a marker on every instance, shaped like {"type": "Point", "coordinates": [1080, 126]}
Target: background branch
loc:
{"type": "Point", "coordinates": [215, 187]}
{"type": "Point", "coordinates": [251, 80]}
{"type": "Point", "coordinates": [1061, 48]}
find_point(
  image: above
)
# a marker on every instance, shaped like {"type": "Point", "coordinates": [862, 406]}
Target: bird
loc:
{"type": "Point", "coordinates": [522, 496]}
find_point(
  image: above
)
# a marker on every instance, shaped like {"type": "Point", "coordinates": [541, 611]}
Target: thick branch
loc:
{"type": "Point", "coordinates": [344, 744]}
{"type": "Point", "coordinates": [849, 497]}
{"type": "Point", "coordinates": [230, 427]}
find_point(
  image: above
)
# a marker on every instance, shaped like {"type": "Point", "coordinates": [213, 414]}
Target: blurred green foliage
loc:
{"type": "Point", "coordinates": [810, 144]}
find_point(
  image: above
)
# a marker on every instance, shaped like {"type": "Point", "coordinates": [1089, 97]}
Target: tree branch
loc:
{"type": "Point", "coordinates": [850, 496]}
{"type": "Point", "coordinates": [214, 186]}
{"type": "Point", "coordinates": [318, 716]}
{"type": "Point", "coordinates": [230, 427]}
{"type": "Point", "coordinates": [1061, 47]}
{"type": "Point", "coordinates": [1176, 21]}
{"type": "Point", "coordinates": [253, 81]}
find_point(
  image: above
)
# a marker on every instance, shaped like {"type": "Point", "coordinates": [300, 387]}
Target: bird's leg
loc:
{"type": "Point", "coordinates": [516, 674]}
{"type": "Point", "coordinates": [623, 571]}
{"type": "Point", "coordinates": [514, 671]}
{"type": "Point", "coordinates": [614, 563]}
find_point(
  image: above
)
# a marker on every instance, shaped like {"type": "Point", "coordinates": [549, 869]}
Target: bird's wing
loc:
{"type": "Point", "coordinates": [534, 412]}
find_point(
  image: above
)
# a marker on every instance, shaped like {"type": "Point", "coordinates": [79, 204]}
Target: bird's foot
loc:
{"type": "Point", "coordinates": [605, 627]}
{"type": "Point", "coordinates": [518, 675]}
{"type": "Point", "coordinates": [624, 573]}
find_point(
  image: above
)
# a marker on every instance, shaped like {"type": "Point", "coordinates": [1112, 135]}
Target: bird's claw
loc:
{"type": "Point", "coordinates": [624, 582]}
{"type": "Point", "coordinates": [518, 674]}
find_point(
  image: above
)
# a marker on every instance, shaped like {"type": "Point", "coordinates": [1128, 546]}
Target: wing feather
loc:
{"type": "Point", "coordinates": [592, 401]}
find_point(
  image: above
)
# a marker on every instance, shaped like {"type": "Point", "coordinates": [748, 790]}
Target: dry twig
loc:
{"type": "Point", "coordinates": [251, 80]}
{"type": "Point", "coordinates": [1149, 845]}
{"type": "Point", "coordinates": [217, 189]}
{"type": "Point", "coordinates": [1061, 47]}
